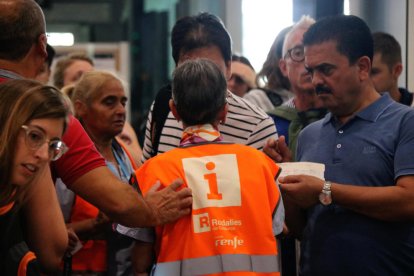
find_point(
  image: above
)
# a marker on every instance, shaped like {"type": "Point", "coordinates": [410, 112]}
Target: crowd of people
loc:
{"type": "Point", "coordinates": [204, 196]}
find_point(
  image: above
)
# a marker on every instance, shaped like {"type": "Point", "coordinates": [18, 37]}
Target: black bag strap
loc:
{"type": "Point", "coordinates": [274, 98]}
{"type": "Point", "coordinates": [159, 116]}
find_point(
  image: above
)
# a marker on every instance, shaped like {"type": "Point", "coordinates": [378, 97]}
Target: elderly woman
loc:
{"type": "Point", "coordinates": [68, 70]}
{"type": "Point", "coordinates": [99, 103]}
{"type": "Point", "coordinates": [32, 121]}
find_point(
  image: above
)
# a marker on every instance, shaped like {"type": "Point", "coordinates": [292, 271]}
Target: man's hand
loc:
{"type": "Point", "coordinates": [168, 205]}
{"type": "Point", "coordinates": [278, 150]}
{"type": "Point", "coordinates": [303, 190]}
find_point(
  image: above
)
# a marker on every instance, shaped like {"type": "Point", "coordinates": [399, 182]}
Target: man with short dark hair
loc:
{"type": "Point", "coordinates": [204, 36]}
{"type": "Point", "coordinates": [359, 219]}
{"type": "Point", "coordinates": [387, 67]}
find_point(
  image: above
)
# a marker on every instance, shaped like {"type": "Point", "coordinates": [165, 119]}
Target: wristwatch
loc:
{"type": "Point", "coordinates": [325, 196]}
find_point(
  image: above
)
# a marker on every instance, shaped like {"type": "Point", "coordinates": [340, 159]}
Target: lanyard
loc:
{"type": "Point", "coordinates": [124, 171]}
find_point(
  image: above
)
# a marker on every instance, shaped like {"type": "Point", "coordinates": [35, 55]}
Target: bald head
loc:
{"type": "Point", "coordinates": [298, 28]}
{"type": "Point", "coordinates": [21, 23]}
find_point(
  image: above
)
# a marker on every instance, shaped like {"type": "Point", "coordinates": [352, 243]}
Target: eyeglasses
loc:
{"type": "Point", "coordinates": [297, 53]}
{"type": "Point", "coordinates": [35, 138]}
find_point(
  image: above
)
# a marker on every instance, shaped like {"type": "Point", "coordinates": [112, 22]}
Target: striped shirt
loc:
{"type": "Point", "coordinates": [245, 124]}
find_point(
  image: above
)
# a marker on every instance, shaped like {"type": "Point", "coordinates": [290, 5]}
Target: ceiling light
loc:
{"type": "Point", "coordinates": [60, 39]}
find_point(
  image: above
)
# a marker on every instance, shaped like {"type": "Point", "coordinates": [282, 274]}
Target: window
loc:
{"type": "Point", "coordinates": [262, 21]}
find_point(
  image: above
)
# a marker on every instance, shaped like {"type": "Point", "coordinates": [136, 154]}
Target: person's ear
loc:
{"type": "Point", "coordinates": [364, 67]}
{"type": "Point", "coordinates": [283, 67]}
{"type": "Point", "coordinates": [80, 109]}
{"type": "Point", "coordinates": [223, 113]}
{"type": "Point", "coordinates": [174, 110]}
{"type": "Point", "coordinates": [228, 70]}
{"type": "Point", "coordinates": [41, 45]}
{"type": "Point", "coordinates": [397, 70]}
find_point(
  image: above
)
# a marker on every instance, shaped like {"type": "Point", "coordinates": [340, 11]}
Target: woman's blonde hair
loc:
{"type": "Point", "coordinates": [87, 89]}
{"type": "Point", "coordinates": [63, 63]}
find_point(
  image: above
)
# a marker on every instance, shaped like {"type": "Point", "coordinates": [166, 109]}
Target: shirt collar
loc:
{"type": "Point", "coordinates": [9, 75]}
{"type": "Point", "coordinates": [369, 113]}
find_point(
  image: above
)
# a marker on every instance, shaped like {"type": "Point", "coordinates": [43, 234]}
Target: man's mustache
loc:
{"type": "Point", "coordinates": [322, 90]}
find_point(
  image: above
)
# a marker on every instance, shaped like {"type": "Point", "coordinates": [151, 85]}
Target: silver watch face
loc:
{"type": "Point", "coordinates": [325, 198]}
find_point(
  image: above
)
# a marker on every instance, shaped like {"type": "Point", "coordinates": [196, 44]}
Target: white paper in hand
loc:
{"type": "Point", "coordinates": [307, 168]}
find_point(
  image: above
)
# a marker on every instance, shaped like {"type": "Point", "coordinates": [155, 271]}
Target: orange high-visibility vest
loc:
{"type": "Point", "coordinates": [93, 255]}
{"type": "Point", "coordinates": [229, 230]}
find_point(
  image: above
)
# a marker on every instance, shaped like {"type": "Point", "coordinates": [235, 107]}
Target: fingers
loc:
{"type": "Point", "coordinates": [271, 149]}
{"type": "Point", "coordinates": [170, 203]}
{"type": "Point", "coordinates": [289, 179]}
{"type": "Point", "coordinates": [186, 202]}
{"type": "Point", "coordinates": [176, 184]}
{"type": "Point", "coordinates": [184, 195]}
{"type": "Point", "coordinates": [283, 149]}
{"type": "Point", "coordinates": [271, 142]}
{"type": "Point", "coordinates": [155, 187]}
{"type": "Point", "coordinates": [278, 149]}
{"type": "Point", "coordinates": [282, 139]}
{"type": "Point", "coordinates": [185, 211]}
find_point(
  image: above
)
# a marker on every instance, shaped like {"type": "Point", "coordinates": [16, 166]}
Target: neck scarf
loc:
{"type": "Point", "coordinates": [200, 134]}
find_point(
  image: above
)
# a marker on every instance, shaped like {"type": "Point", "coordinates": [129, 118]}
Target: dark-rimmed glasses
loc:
{"type": "Point", "coordinates": [296, 53]}
{"type": "Point", "coordinates": [35, 138]}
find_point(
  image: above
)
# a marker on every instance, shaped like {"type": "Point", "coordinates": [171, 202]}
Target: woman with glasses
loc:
{"type": "Point", "coordinates": [99, 103]}
{"type": "Point", "coordinates": [33, 118]}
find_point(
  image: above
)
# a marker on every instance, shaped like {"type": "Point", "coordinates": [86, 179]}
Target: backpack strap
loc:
{"type": "Point", "coordinates": [274, 98]}
{"type": "Point", "coordinates": [159, 116]}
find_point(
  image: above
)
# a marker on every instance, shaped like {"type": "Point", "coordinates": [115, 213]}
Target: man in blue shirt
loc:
{"type": "Point", "coordinates": [359, 221]}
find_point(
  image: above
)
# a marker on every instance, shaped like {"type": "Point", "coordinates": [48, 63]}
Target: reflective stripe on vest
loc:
{"type": "Point", "coordinates": [22, 270]}
{"type": "Point", "coordinates": [6, 208]}
{"type": "Point", "coordinates": [219, 264]}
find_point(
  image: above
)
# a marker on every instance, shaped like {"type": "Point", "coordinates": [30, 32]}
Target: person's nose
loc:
{"type": "Point", "coordinates": [43, 153]}
{"type": "Point", "coordinates": [120, 109]}
{"type": "Point", "coordinates": [316, 78]}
